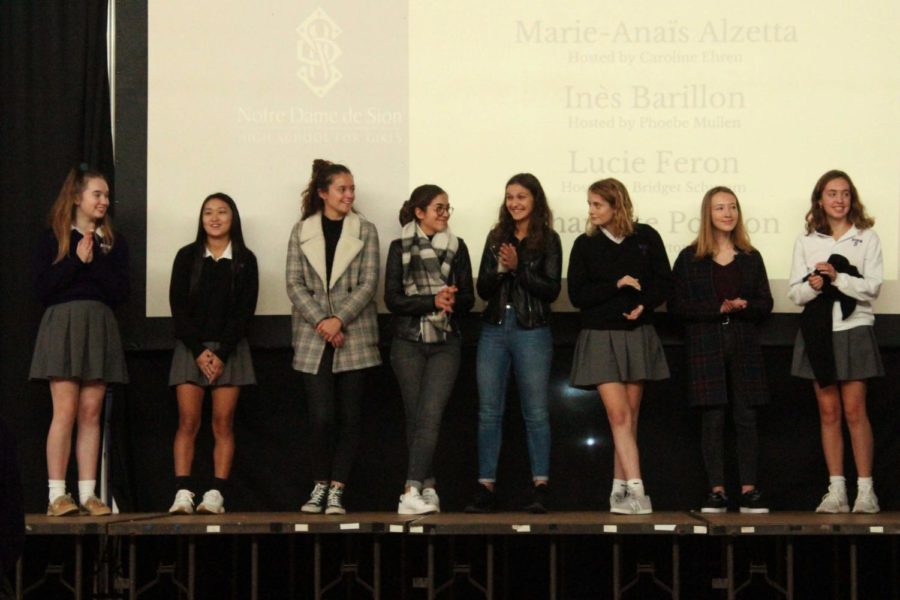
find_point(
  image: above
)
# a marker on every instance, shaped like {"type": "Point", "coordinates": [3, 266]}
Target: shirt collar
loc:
{"type": "Point", "coordinates": [614, 238]}
{"type": "Point", "coordinates": [97, 231]}
{"type": "Point", "coordinates": [226, 254]}
{"type": "Point", "coordinates": [850, 233]}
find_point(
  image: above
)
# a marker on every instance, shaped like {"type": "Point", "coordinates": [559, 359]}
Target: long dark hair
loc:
{"type": "Point", "coordinates": [323, 172]}
{"type": "Point", "coordinates": [816, 220]}
{"type": "Point", "coordinates": [420, 198]}
{"type": "Point", "coordinates": [539, 222]}
{"type": "Point", "coordinates": [239, 250]}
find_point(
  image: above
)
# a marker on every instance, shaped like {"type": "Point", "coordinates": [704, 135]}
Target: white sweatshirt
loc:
{"type": "Point", "coordinates": [863, 249]}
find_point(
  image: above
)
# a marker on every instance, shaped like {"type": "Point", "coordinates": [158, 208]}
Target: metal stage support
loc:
{"type": "Point", "coordinates": [363, 532]}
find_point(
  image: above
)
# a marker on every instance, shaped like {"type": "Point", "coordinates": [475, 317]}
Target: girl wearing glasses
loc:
{"type": "Point", "coordinates": [428, 287]}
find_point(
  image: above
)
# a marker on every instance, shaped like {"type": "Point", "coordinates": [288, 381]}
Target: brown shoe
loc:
{"type": "Point", "coordinates": [63, 505]}
{"type": "Point", "coordinates": [94, 507]}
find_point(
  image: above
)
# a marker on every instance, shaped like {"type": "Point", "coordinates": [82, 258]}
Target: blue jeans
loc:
{"type": "Point", "coordinates": [529, 353]}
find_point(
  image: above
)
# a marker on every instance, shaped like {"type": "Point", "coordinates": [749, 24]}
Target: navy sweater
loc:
{"type": "Point", "coordinates": [105, 278]}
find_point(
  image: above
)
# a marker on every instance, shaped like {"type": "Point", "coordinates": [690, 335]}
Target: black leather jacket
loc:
{"type": "Point", "coordinates": [408, 310]}
{"type": "Point", "coordinates": [530, 290]}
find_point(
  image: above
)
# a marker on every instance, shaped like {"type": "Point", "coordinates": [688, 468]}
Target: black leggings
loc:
{"type": "Point", "coordinates": [334, 401]}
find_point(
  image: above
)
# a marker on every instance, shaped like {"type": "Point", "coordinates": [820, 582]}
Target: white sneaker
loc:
{"type": "Point", "coordinates": [412, 503]}
{"type": "Point", "coordinates": [213, 503]}
{"type": "Point", "coordinates": [835, 501]}
{"type": "Point", "coordinates": [619, 504]}
{"type": "Point", "coordinates": [866, 502]}
{"type": "Point", "coordinates": [640, 505]}
{"type": "Point", "coordinates": [184, 503]}
{"type": "Point", "coordinates": [430, 496]}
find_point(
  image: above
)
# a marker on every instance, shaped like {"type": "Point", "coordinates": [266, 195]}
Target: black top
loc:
{"type": "Point", "coordinates": [727, 279]}
{"type": "Point", "coordinates": [212, 301]}
{"type": "Point", "coordinates": [596, 265]}
{"type": "Point", "coordinates": [408, 310]}
{"type": "Point", "coordinates": [530, 289]}
{"type": "Point", "coordinates": [105, 278]}
{"type": "Point", "coordinates": [332, 231]}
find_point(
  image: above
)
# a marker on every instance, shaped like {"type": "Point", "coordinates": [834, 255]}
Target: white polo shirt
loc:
{"type": "Point", "coordinates": [863, 249]}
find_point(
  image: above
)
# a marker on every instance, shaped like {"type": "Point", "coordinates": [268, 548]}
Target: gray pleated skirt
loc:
{"type": "Point", "coordinates": [604, 356]}
{"type": "Point", "coordinates": [79, 340]}
{"type": "Point", "coordinates": [856, 355]}
{"type": "Point", "coordinates": [238, 368]}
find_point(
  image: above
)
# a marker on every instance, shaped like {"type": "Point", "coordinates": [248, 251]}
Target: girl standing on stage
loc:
{"type": "Point", "coordinates": [82, 274]}
{"type": "Point", "coordinates": [618, 274]}
{"type": "Point", "coordinates": [721, 294]}
{"type": "Point", "coordinates": [332, 274]}
{"type": "Point", "coordinates": [212, 294]}
{"type": "Point", "coordinates": [836, 274]}
{"type": "Point", "coordinates": [519, 277]}
{"type": "Point", "coordinates": [428, 287]}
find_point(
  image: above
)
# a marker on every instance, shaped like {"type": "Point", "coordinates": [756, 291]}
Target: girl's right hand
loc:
{"type": "Point", "coordinates": [85, 248]}
{"type": "Point", "coordinates": [630, 281]}
{"type": "Point", "coordinates": [816, 282]}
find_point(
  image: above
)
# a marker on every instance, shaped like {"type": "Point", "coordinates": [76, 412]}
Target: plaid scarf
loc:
{"type": "Point", "coordinates": [426, 271]}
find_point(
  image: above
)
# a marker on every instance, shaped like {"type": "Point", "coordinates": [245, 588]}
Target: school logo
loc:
{"type": "Point", "coordinates": [317, 52]}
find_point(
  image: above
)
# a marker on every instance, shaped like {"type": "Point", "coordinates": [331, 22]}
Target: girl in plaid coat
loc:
{"type": "Point", "coordinates": [332, 275]}
{"type": "Point", "coordinates": [721, 294]}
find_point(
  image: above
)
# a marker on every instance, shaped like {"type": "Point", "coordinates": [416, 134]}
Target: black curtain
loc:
{"type": "Point", "coordinates": [54, 114]}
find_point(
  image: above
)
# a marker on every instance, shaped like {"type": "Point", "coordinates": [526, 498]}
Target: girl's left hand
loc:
{"type": "Point", "coordinates": [634, 314]}
{"type": "Point", "coordinates": [338, 340]}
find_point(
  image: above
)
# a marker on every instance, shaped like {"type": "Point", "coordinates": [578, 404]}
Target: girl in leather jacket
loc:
{"type": "Point", "coordinates": [519, 278]}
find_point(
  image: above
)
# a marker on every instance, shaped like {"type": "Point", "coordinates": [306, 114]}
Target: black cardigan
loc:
{"type": "Point", "coordinates": [221, 303]}
{"type": "Point", "coordinates": [597, 263]}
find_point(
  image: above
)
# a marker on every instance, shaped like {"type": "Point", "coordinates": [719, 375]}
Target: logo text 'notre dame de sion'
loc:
{"type": "Point", "coordinates": [317, 52]}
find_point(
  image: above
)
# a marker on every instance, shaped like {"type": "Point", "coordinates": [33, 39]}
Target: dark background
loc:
{"type": "Point", "coordinates": [55, 114]}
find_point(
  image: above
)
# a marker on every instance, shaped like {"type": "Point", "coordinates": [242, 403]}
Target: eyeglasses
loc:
{"type": "Point", "coordinates": [440, 209]}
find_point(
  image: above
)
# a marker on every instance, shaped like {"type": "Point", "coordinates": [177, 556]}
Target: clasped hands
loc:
{"type": "Point", "coordinates": [629, 281]}
{"type": "Point", "coordinates": [330, 330]}
{"type": "Point", "coordinates": [210, 365]}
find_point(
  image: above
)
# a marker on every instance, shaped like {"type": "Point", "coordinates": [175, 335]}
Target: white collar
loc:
{"type": "Point", "coordinates": [850, 233]}
{"type": "Point", "coordinates": [609, 234]}
{"type": "Point", "coordinates": [97, 231]}
{"type": "Point", "coordinates": [226, 254]}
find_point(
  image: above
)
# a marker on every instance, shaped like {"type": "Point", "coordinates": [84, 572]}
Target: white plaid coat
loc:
{"type": "Point", "coordinates": [354, 279]}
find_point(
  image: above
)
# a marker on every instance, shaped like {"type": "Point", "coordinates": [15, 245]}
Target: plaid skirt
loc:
{"type": "Point", "coordinates": [79, 340]}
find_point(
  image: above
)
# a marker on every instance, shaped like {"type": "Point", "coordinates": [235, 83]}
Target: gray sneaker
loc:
{"type": "Point", "coordinates": [334, 506]}
{"type": "Point", "coordinates": [316, 502]}
{"type": "Point", "coordinates": [835, 501]}
{"type": "Point", "coordinates": [866, 502]}
{"type": "Point", "coordinates": [619, 504]}
{"type": "Point", "coordinates": [640, 505]}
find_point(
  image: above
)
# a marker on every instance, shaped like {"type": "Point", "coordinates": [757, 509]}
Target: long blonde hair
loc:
{"type": "Point", "coordinates": [705, 244]}
{"type": "Point", "coordinates": [62, 213]}
{"type": "Point", "coordinates": [614, 191]}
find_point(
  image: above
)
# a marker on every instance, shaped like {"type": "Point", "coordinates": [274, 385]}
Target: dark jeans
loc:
{"type": "Point", "coordinates": [334, 401]}
{"type": "Point", "coordinates": [426, 374]}
{"type": "Point", "coordinates": [713, 427]}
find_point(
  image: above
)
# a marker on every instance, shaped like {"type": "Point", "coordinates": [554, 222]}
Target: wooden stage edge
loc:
{"type": "Point", "coordinates": [555, 523]}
